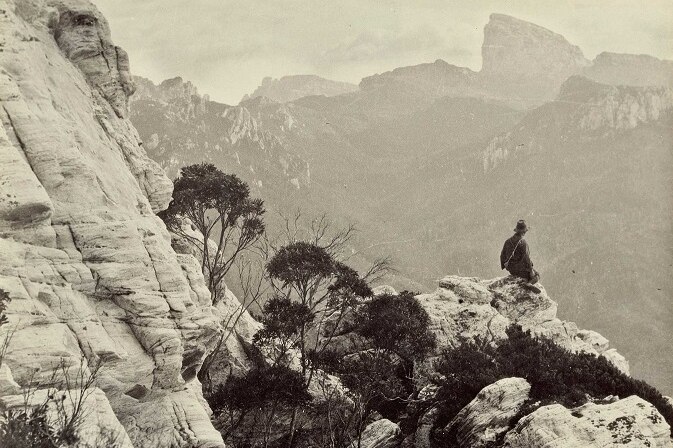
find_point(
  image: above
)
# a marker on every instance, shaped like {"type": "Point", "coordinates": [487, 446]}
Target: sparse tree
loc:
{"type": "Point", "coordinates": [219, 207]}
{"type": "Point", "coordinates": [308, 275]}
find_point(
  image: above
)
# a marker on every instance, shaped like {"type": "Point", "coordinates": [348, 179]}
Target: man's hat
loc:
{"type": "Point", "coordinates": [521, 226]}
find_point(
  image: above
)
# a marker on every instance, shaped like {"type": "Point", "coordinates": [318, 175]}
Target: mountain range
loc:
{"type": "Point", "coordinates": [434, 164]}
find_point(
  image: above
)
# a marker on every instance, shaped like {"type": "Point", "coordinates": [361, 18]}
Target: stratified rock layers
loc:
{"type": "Point", "coordinates": [87, 264]}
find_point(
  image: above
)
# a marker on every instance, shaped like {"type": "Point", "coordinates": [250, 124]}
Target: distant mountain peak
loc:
{"type": "Point", "coordinates": [292, 87]}
{"type": "Point", "coordinates": [171, 89]}
{"type": "Point", "coordinates": [631, 69]}
{"type": "Point", "coordinates": [513, 46]}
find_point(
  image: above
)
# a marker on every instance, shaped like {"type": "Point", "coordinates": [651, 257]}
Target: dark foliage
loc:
{"type": "Point", "coordinates": [555, 375]}
{"type": "Point", "coordinates": [348, 282]}
{"type": "Point", "coordinates": [282, 319]}
{"type": "Point", "coordinates": [204, 187]}
{"type": "Point", "coordinates": [217, 205]}
{"type": "Point", "coordinates": [375, 376]}
{"type": "Point", "coordinates": [4, 300]}
{"type": "Point", "coordinates": [258, 387]}
{"type": "Point", "coordinates": [300, 263]}
{"type": "Point", "coordinates": [466, 369]}
{"type": "Point", "coordinates": [398, 324]}
{"type": "Point", "coordinates": [26, 428]}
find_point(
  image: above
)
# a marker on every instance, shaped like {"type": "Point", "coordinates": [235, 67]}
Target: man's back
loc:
{"type": "Point", "coordinates": [516, 251]}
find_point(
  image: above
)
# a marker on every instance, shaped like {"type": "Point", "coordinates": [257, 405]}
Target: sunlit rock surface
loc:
{"type": "Point", "coordinates": [489, 414]}
{"type": "Point", "coordinates": [630, 422]}
{"type": "Point", "coordinates": [86, 262]}
{"type": "Point", "coordinates": [467, 308]}
{"type": "Point", "coordinates": [379, 434]}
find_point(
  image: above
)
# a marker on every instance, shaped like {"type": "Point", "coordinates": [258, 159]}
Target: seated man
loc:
{"type": "Point", "coordinates": [515, 257]}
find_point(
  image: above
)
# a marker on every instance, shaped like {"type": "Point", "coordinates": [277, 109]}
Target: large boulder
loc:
{"type": "Point", "coordinates": [487, 416]}
{"type": "Point", "coordinates": [380, 434]}
{"type": "Point", "coordinates": [630, 422]}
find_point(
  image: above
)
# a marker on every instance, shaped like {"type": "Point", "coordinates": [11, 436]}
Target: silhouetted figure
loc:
{"type": "Point", "coordinates": [515, 257]}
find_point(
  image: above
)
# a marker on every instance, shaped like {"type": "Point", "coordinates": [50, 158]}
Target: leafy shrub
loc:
{"type": "Point", "coordinates": [466, 370]}
{"type": "Point", "coordinates": [301, 264]}
{"type": "Point", "coordinates": [56, 422]}
{"type": "Point", "coordinates": [7, 337]}
{"type": "Point", "coordinates": [259, 386]}
{"type": "Point", "coordinates": [375, 377]}
{"type": "Point", "coordinates": [554, 373]}
{"type": "Point", "coordinates": [398, 324]}
{"type": "Point", "coordinates": [26, 428]}
{"type": "Point", "coordinates": [283, 320]}
{"type": "Point", "coordinates": [255, 407]}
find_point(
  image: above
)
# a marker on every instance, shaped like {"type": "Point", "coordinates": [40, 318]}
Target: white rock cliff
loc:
{"type": "Point", "coordinates": [87, 264]}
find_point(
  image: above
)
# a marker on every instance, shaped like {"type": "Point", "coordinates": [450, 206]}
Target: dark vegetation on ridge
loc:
{"type": "Point", "coordinates": [555, 375]}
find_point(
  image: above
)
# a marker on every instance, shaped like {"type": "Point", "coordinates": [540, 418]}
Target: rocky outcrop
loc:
{"type": "Point", "coordinates": [487, 416]}
{"type": "Point", "coordinates": [467, 308]}
{"type": "Point", "coordinates": [630, 422]}
{"type": "Point", "coordinates": [84, 37]}
{"type": "Point", "coordinates": [582, 108]}
{"type": "Point", "coordinates": [604, 107]}
{"type": "Point", "coordinates": [86, 262]}
{"type": "Point", "coordinates": [290, 88]}
{"type": "Point", "coordinates": [620, 69]}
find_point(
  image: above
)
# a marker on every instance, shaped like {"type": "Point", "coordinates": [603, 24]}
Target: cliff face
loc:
{"type": "Point", "coordinates": [515, 47]}
{"type": "Point", "coordinates": [88, 266]}
{"type": "Point", "coordinates": [582, 109]}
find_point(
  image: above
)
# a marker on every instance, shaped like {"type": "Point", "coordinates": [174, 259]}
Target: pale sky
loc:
{"type": "Point", "coordinates": [226, 47]}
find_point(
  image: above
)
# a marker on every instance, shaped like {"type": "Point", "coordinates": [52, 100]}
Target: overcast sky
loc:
{"type": "Point", "coordinates": [226, 47]}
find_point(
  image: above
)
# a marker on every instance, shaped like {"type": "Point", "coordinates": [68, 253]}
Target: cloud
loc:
{"type": "Point", "coordinates": [227, 46]}
{"type": "Point", "coordinates": [384, 44]}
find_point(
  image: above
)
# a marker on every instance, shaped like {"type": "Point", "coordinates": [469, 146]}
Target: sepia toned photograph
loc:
{"type": "Point", "coordinates": [345, 224]}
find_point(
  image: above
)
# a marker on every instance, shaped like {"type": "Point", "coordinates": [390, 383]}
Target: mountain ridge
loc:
{"type": "Point", "coordinates": [292, 87]}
